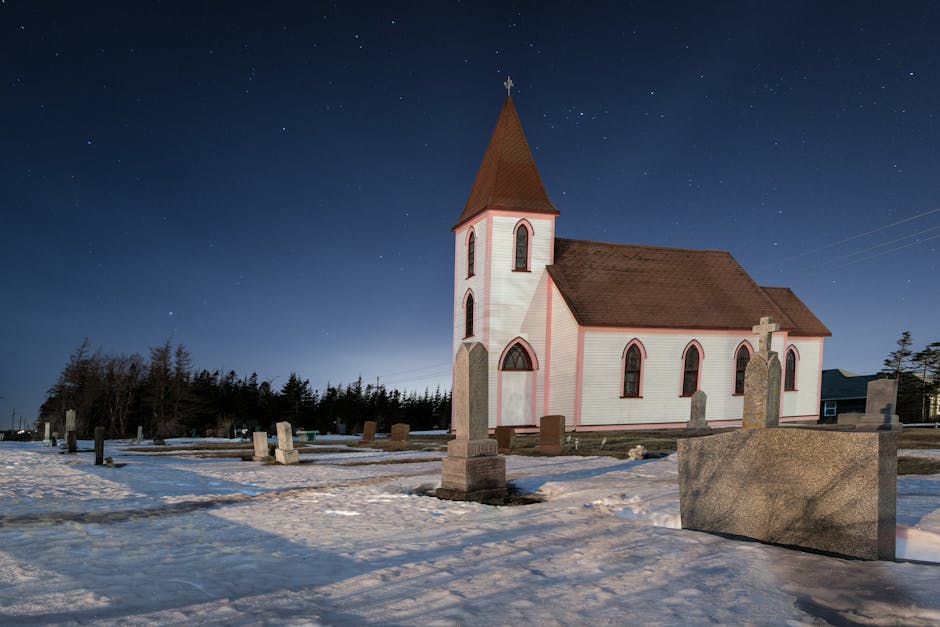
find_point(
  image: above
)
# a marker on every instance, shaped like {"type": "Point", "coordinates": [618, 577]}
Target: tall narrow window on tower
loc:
{"type": "Point", "coordinates": [522, 248]}
{"type": "Point", "coordinates": [471, 244]}
{"type": "Point", "coordinates": [468, 316]}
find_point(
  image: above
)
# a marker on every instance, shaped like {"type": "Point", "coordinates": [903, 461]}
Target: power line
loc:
{"type": "Point", "coordinates": [866, 233]}
{"type": "Point", "coordinates": [875, 247]}
{"type": "Point", "coordinates": [885, 252]}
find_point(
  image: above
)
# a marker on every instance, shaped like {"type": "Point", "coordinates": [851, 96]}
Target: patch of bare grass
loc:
{"type": "Point", "coordinates": [918, 466]}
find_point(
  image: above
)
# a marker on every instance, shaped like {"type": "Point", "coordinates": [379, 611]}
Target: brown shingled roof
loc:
{"type": "Point", "coordinates": [622, 285]}
{"type": "Point", "coordinates": [805, 322]}
{"type": "Point", "coordinates": [507, 178]}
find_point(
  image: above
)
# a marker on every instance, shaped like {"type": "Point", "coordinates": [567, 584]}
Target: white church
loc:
{"type": "Point", "coordinates": [612, 336]}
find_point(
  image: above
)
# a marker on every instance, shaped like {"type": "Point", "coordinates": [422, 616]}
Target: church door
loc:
{"type": "Point", "coordinates": [516, 387]}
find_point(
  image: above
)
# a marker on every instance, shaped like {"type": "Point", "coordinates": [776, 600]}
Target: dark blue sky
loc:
{"type": "Point", "coordinates": [273, 184]}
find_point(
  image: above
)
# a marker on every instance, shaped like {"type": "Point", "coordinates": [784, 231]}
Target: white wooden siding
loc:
{"type": "Point", "coordinates": [564, 354]}
{"type": "Point", "coordinates": [804, 401]}
{"type": "Point", "coordinates": [662, 377]}
{"type": "Point", "coordinates": [518, 300]}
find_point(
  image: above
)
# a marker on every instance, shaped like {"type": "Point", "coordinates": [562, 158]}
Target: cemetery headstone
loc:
{"type": "Point", "coordinates": [880, 406]}
{"type": "Point", "coordinates": [262, 452]}
{"type": "Point", "coordinates": [285, 453]}
{"type": "Point", "coordinates": [140, 434]}
{"type": "Point", "coordinates": [472, 470]}
{"type": "Point", "coordinates": [99, 446]}
{"type": "Point", "coordinates": [839, 496]}
{"type": "Point", "coordinates": [399, 434]}
{"type": "Point", "coordinates": [697, 420]}
{"type": "Point", "coordinates": [551, 435]}
{"type": "Point", "coordinates": [70, 431]}
{"type": "Point", "coordinates": [762, 381]}
{"type": "Point", "coordinates": [46, 437]}
{"type": "Point", "coordinates": [368, 432]}
{"type": "Point", "coordinates": [504, 439]}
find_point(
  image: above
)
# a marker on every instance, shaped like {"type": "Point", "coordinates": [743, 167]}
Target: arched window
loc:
{"type": "Point", "coordinates": [522, 248]}
{"type": "Point", "coordinates": [789, 376]}
{"type": "Point", "coordinates": [517, 358]}
{"type": "Point", "coordinates": [632, 363]}
{"type": "Point", "coordinates": [471, 245]}
{"type": "Point", "coordinates": [740, 367]}
{"type": "Point", "coordinates": [690, 370]}
{"type": "Point", "coordinates": [468, 315]}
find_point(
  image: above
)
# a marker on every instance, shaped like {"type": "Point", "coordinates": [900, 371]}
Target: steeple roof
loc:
{"type": "Point", "coordinates": [507, 178]}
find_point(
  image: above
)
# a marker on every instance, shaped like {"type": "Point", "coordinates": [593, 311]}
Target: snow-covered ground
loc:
{"type": "Point", "coordinates": [183, 540]}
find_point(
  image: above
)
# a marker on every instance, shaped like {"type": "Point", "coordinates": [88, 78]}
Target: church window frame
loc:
{"type": "Point", "coordinates": [631, 369]}
{"type": "Point", "coordinates": [791, 363]}
{"type": "Point", "coordinates": [691, 375]}
{"type": "Point", "coordinates": [471, 254]}
{"type": "Point", "coordinates": [468, 305]}
{"type": "Point", "coordinates": [740, 369]}
{"type": "Point", "coordinates": [522, 236]}
{"type": "Point", "coordinates": [512, 360]}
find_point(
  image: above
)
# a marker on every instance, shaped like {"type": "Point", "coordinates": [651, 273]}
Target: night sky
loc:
{"type": "Point", "coordinates": [273, 184]}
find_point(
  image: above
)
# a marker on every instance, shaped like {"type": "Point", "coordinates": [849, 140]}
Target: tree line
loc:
{"type": "Point", "coordinates": [918, 376]}
{"type": "Point", "coordinates": [169, 398]}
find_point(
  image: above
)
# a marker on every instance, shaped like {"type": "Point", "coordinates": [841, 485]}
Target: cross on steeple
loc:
{"type": "Point", "coordinates": [508, 84]}
{"type": "Point", "coordinates": [765, 331]}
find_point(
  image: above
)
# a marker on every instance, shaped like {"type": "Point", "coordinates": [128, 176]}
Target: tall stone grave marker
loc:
{"type": "Point", "coordinates": [70, 430]}
{"type": "Point", "coordinates": [99, 446]}
{"type": "Point", "coordinates": [260, 441]}
{"type": "Point", "coordinates": [697, 420]}
{"type": "Point", "coordinates": [762, 381]}
{"type": "Point", "coordinates": [368, 432]}
{"type": "Point", "coordinates": [140, 434]}
{"type": "Point", "coordinates": [472, 470]}
{"type": "Point", "coordinates": [285, 453]}
{"type": "Point", "coordinates": [551, 435]}
{"type": "Point", "coordinates": [48, 431]}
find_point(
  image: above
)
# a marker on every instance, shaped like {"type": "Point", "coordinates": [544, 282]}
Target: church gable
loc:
{"type": "Point", "coordinates": [620, 285]}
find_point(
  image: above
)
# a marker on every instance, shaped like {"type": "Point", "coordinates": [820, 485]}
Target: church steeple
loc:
{"type": "Point", "coordinates": [507, 178]}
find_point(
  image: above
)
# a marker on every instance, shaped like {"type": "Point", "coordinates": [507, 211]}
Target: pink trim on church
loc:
{"type": "Point", "coordinates": [546, 374]}
{"type": "Point", "coordinates": [487, 288]}
{"type": "Point", "coordinates": [579, 378]}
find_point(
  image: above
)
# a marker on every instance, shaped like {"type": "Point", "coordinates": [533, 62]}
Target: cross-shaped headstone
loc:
{"type": "Point", "coordinates": [765, 331]}
{"type": "Point", "coordinates": [508, 85]}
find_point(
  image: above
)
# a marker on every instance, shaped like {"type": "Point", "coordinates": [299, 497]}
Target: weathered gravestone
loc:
{"type": "Point", "coordinates": [99, 446]}
{"type": "Point", "coordinates": [697, 421]}
{"type": "Point", "coordinates": [285, 453]}
{"type": "Point", "coordinates": [880, 405]}
{"type": "Point", "coordinates": [70, 435]}
{"type": "Point", "coordinates": [504, 439]}
{"type": "Point", "coordinates": [368, 432]}
{"type": "Point", "coordinates": [140, 434]}
{"type": "Point", "coordinates": [472, 470]}
{"type": "Point", "coordinates": [399, 434]}
{"type": "Point", "coordinates": [47, 435]}
{"type": "Point", "coordinates": [262, 451]}
{"type": "Point", "coordinates": [822, 490]}
{"type": "Point", "coordinates": [551, 434]}
{"type": "Point", "coordinates": [762, 381]}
